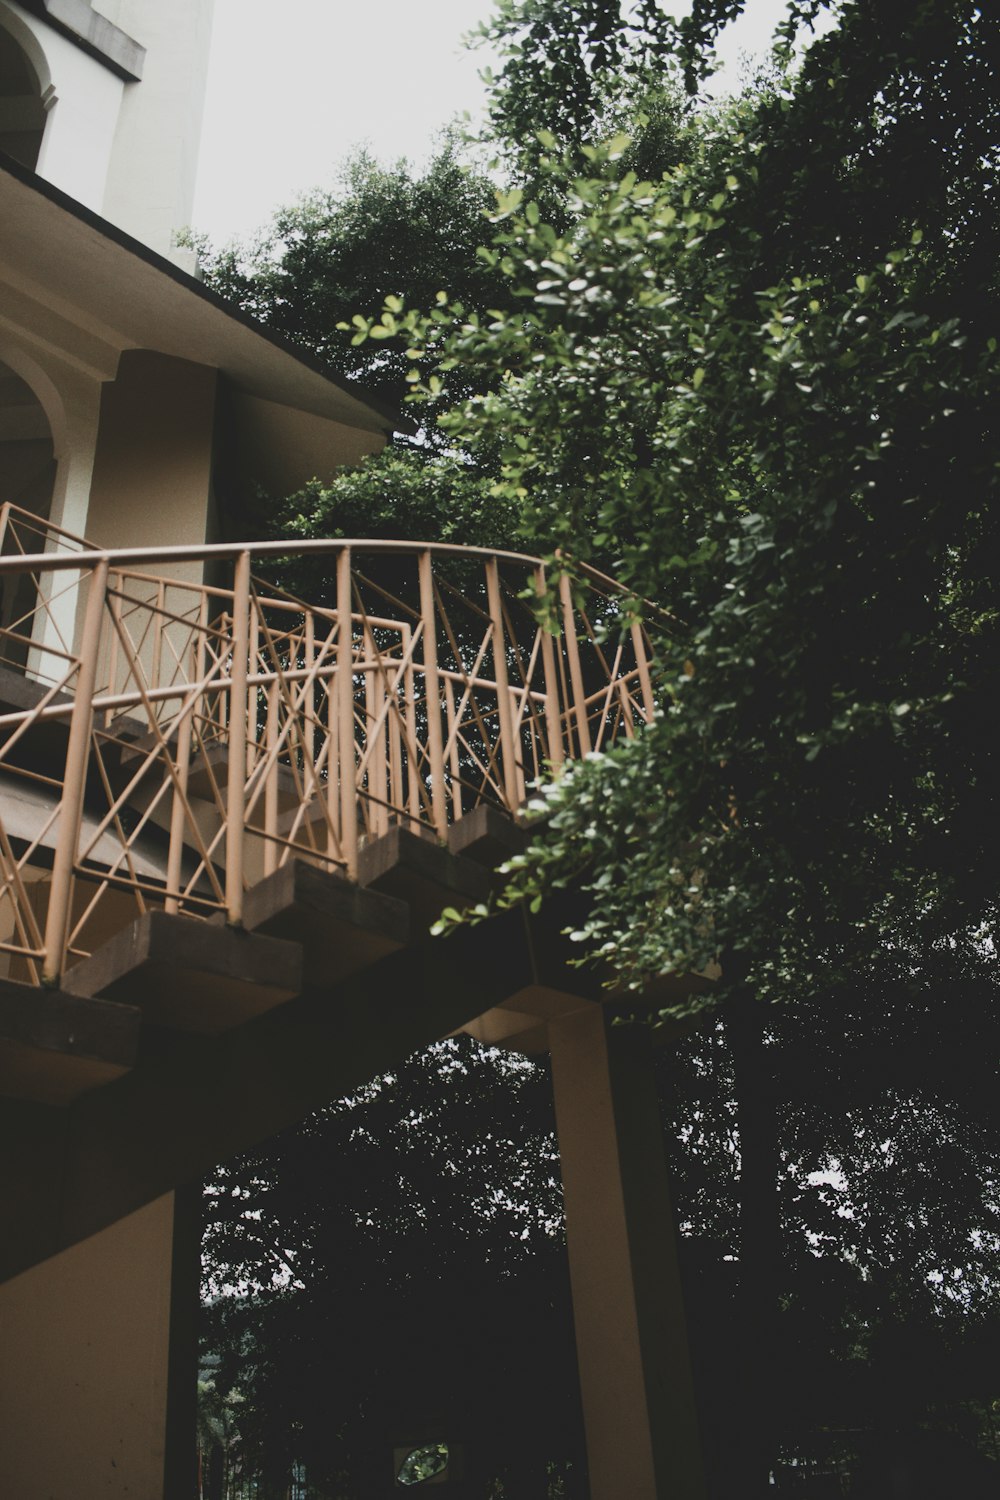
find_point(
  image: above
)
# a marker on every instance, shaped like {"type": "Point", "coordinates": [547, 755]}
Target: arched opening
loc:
{"type": "Point", "coordinates": [27, 476]}
{"type": "Point", "coordinates": [22, 109]}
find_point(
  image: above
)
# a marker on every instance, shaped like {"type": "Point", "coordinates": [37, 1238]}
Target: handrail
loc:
{"type": "Point", "coordinates": [126, 557]}
{"type": "Point", "coordinates": [129, 557]}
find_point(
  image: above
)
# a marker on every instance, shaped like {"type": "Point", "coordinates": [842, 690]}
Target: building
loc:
{"type": "Point", "coordinates": [191, 763]}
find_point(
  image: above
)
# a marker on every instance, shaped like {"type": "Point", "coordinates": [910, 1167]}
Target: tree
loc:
{"type": "Point", "coordinates": [383, 232]}
{"type": "Point", "coordinates": [758, 379]}
{"type": "Point", "coordinates": [815, 449]}
{"type": "Point", "coordinates": [436, 1189]}
{"type": "Point", "coordinates": [764, 386]}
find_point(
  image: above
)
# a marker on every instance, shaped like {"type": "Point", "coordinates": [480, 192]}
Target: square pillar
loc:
{"type": "Point", "coordinates": [635, 1371]}
{"type": "Point", "coordinates": [98, 1380]}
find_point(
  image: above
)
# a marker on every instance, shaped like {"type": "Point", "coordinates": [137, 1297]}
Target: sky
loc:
{"type": "Point", "coordinates": [294, 88]}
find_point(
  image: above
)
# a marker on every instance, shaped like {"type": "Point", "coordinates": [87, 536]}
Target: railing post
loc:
{"type": "Point", "coordinates": [237, 770]}
{"type": "Point", "coordinates": [75, 779]}
{"type": "Point", "coordinates": [645, 681]}
{"type": "Point", "coordinates": [432, 692]}
{"type": "Point", "coordinates": [553, 709]}
{"type": "Point", "coordinates": [345, 716]}
{"type": "Point", "coordinates": [508, 745]}
{"type": "Point", "coordinates": [271, 782]}
{"type": "Point", "coordinates": [178, 810]}
{"type": "Point", "coordinates": [453, 757]}
{"type": "Point", "coordinates": [410, 725]}
{"type": "Point", "coordinates": [375, 739]}
{"type": "Point", "coordinates": [575, 671]}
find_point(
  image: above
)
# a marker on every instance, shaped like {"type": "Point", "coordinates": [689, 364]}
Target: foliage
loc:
{"type": "Point", "coordinates": [751, 359]}
{"type": "Point", "coordinates": [383, 232]}
{"type": "Point", "coordinates": [400, 494]}
{"type": "Point", "coordinates": [568, 66]}
{"type": "Point", "coordinates": [786, 433]}
{"type": "Point", "coordinates": [436, 1189]}
{"type": "Point", "coordinates": [884, 1163]}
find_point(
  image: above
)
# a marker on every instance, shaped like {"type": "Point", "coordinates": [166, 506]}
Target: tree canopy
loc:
{"type": "Point", "coordinates": [746, 356]}
{"type": "Point", "coordinates": [383, 231]}
{"type": "Point", "coordinates": [777, 413]}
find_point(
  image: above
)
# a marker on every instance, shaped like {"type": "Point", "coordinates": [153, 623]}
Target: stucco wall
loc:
{"type": "Point", "coordinates": [84, 99]}
{"type": "Point", "coordinates": [150, 187]}
{"type": "Point", "coordinates": [127, 150]}
{"type": "Point", "coordinates": [152, 479]}
{"type": "Point", "coordinates": [84, 1373]}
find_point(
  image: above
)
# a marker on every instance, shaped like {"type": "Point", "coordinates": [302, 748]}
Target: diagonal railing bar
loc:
{"type": "Point", "coordinates": [44, 609]}
{"type": "Point", "coordinates": [417, 751]}
{"type": "Point", "coordinates": [25, 722]}
{"type": "Point", "coordinates": [607, 694]}
{"type": "Point", "coordinates": [153, 757]}
{"type": "Point", "coordinates": [492, 750]}
{"type": "Point", "coordinates": [487, 780]}
{"type": "Point", "coordinates": [524, 691]}
{"type": "Point", "coordinates": [468, 684]}
{"type": "Point", "coordinates": [207, 849]}
{"type": "Point", "coordinates": [196, 692]}
{"type": "Point", "coordinates": [513, 639]}
{"type": "Point", "coordinates": [25, 923]}
{"type": "Point", "coordinates": [295, 700]}
{"type": "Point", "coordinates": [116, 806]}
{"type": "Point", "coordinates": [594, 640]}
{"type": "Point", "coordinates": [112, 870]}
{"type": "Point", "coordinates": [383, 593]}
{"type": "Point", "coordinates": [470, 604]}
{"type": "Point", "coordinates": [261, 781]}
{"type": "Point", "coordinates": [392, 710]}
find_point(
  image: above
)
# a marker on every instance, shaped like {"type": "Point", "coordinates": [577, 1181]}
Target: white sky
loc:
{"type": "Point", "coordinates": [293, 88]}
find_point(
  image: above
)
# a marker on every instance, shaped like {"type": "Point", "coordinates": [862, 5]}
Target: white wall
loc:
{"type": "Point", "coordinates": [84, 106]}
{"type": "Point", "coordinates": [150, 190]}
{"type": "Point", "coordinates": [129, 151]}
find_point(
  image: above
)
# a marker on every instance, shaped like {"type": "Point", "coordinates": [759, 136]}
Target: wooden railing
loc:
{"type": "Point", "coordinates": [172, 741]}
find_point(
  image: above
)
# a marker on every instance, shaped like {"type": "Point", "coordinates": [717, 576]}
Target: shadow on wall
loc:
{"type": "Point", "coordinates": [27, 475]}
{"type": "Point", "coordinates": [22, 111]}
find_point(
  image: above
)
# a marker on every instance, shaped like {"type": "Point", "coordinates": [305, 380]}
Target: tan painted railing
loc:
{"type": "Point", "coordinates": [167, 742]}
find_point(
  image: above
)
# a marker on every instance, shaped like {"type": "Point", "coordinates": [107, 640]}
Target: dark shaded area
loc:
{"type": "Point", "coordinates": [423, 1222]}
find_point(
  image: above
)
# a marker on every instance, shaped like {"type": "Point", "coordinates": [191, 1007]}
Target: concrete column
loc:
{"type": "Point", "coordinates": [152, 477]}
{"type": "Point", "coordinates": [99, 1366]}
{"type": "Point", "coordinates": [635, 1374]}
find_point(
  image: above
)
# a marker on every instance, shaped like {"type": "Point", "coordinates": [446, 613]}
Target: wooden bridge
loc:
{"type": "Point", "coordinates": [228, 817]}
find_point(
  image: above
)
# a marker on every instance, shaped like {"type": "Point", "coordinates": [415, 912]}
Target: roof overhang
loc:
{"type": "Point", "coordinates": [90, 292]}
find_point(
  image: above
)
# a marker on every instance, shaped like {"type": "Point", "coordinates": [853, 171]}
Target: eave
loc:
{"type": "Point", "coordinates": [85, 274]}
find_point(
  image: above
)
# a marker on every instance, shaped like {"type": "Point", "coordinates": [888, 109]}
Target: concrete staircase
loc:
{"type": "Point", "coordinates": [179, 1043]}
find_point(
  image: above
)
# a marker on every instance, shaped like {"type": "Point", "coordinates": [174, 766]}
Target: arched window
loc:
{"type": "Point", "coordinates": [22, 110]}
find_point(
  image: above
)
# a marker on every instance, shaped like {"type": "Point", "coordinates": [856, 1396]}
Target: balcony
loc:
{"type": "Point", "coordinates": [175, 742]}
{"type": "Point", "coordinates": [195, 764]}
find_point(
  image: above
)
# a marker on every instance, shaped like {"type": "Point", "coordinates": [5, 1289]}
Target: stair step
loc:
{"type": "Point", "coordinates": [487, 836]}
{"type": "Point", "coordinates": [341, 927]}
{"type": "Point", "coordinates": [189, 975]}
{"type": "Point", "coordinates": [425, 874]}
{"type": "Point", "coordinates": [55, 1047]}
